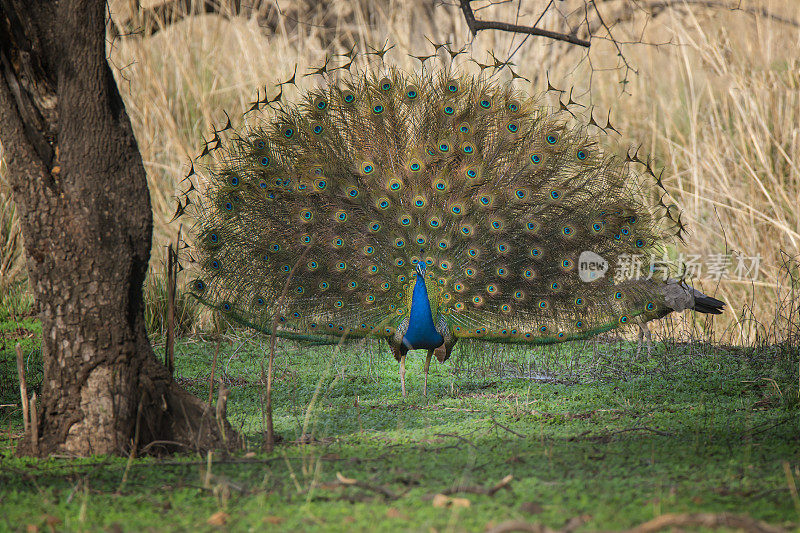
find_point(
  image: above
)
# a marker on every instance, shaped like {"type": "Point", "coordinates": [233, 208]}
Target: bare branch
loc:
{"type": "Point", "coordinates": [477, 25]}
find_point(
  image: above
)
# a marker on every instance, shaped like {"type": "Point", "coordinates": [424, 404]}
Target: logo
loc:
{"type": "Point", "coordinates": [591, 266]}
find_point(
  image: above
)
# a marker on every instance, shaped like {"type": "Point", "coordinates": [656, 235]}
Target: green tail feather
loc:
{"type": "Point", "coordinates": [498, 195]}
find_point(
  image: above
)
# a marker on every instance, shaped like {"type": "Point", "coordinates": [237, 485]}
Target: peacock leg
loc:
{"type": "Point", "coordinates": [427, 364]}
{"type": "Point", "coordinates": [639, 340]}
{"type": "Point", "coordinates": [403, 374]}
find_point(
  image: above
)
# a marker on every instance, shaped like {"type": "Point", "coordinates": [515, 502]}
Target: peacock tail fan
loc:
{"type": "Point", "coordinates": [314, 217]}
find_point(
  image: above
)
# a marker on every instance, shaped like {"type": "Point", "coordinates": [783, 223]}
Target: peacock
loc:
{"type": "Point", "coordinates": [427, 207]}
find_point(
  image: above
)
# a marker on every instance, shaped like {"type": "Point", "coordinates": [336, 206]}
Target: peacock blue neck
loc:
{"type": "Point", "coordinates": [421, 333]}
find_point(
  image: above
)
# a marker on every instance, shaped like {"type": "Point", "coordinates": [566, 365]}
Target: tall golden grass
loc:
{"type": "Point", "coordinates": [716, 98]}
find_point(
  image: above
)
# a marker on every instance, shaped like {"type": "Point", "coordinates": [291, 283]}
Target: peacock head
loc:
{"type": "Point", "coordinates": [421, 269]}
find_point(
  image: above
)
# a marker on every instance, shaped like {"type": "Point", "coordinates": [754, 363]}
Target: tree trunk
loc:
{"type": "Point", "coordinates": [78, 180]}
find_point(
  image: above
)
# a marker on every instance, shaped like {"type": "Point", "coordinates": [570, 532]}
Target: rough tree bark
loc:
{"type": "Point", "coordinates": [78, 180]}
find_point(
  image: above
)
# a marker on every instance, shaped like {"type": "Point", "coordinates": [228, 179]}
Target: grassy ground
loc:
{"type": "Point", "coordinates": [588, 432]}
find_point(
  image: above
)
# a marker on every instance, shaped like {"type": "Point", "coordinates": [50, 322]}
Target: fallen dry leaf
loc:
{"type": "Point", "coordinates": [219, 518]}
{"type": "Point", "coordinates": [440, 500]}
{"type": "Point", "coordinates": [274, 520]}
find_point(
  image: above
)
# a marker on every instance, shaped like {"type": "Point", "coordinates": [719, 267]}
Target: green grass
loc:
{"type": "Point", "coordinates": [600, 435]}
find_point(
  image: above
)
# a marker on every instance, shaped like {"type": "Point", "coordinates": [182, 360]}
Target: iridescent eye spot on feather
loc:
{"type": "Point", "coordinates": [566, 264]}
{"type": "Point", "coordinates": [340, 216]}
{"type": "Point", "coordinates": [261, 144]}
{"type": "Point", "coordinates": [348, 97]}
{"type": "Point", "coordinates": [579, 324]}
{"type": "Point", "coordinates": [306, 215]}
{"type": "Point", "coordinates": [551, 138]}
{"type": "Point", "coordinates": [420, 201]}
{"type": "Point", "coordinates": [497, 224]}
{"type": "Point", "coordinates": [341, 266]}
{"type": "Point", "coordinates": [554, 286]}
{"type": "Point", "coordinates": [435, 222]}
{"type": "Point", "coordinates": [618, 295]}
{"type": "Point", "coordinates": [399, 243]}
{"type": "Point", "coordinates": [394, 184]}
{"type": "Point", "coordinates": [467, 230]}
{"type": "Point", "coordinates": [338, 304]}
{"type": "Point", "coordinates": [286, 268]}
{"type": "Point", "coordinates": [439, 185]}
{"type": "Point", "coordinates": [320, 103]}
{"type": "Point", "coordinates": [467, 147]}
{"type": "Point", "coordinates": [369, 250]}
{"type": "Point", "coordinates": [444, 147]}
{"type": "Point", "coordinates": [369, 299]}
{"type": "Point", "coordinates": [299, 290]}
{"type": "Point", "coordinates": [317, 129]}
{"type": "Point", "coordinates": [352, 192]}
{"type": "Point", "coordinates": [464, 128]}
{"type": "Point", "coordinates": [536, 159]}
{"type": "Point", "coordinates": [477, 301]}
{"type": "Point", "coordinates": [536, 252]}
{"type": "Point", "coordinates": [234, 181]}
{"type": "Point", "coordinates": [226, 306]}
{"type": "Point", "coordinates": [579, 301]}
{"type": "Point", "coordinates": [386, 84]}
{"type": "Point", "coordinates": [260, 301]}
{"type": "Point", "coordinates": [513, 127]}
{"type": "Point", "coordinates": [456, 209]}
{"type": "Point", "coordinates": [519, 295]}
{"type": "Point", "coordinates": [264, 161]}
{"type": "Point", "coordinates": [443, 245]}
{"type": "Point", "coordinates": [324, 285]}
{"type": "Point", "coordinates": [275, 247]}
{"type": "Point", "coordinates": [458, 287]}
{"type": "Point", "coordinates": [555, 195]}
{"type": "Point", "coordinates": [485, 200]}
{"type": "Point", "coordinates": [471, 173]}
{"type": "Point", "coordinates": [421, 239]}
{"type": "Point", "coordinates": [542, 304]}
{"type": "Point", "coordinates": [486, 103]}
{"type": "Point", "coordinates": [377, 109]}
{"type": "Point", "coordinates": [213, 238]}
{"type": "Point", "coordinates": [337, 242]}
{"type": "Point", "coordinates": [491, 289]}
{"type": "Point", "coordinates": [650, 306]}
{"type": "Point", "coordinates": [470, 272]}
{"type": "Point", "coordinates": [542, 329]}
{"type": "Point", "coordinates": [367, 167]}
{"type": "Point", "coordinates": [375, 227]}
{"type": "Point", "coordinates": [228, 206]}
{"type": "Point", "coordinates": [513, 107]}
{"type": "Point", "coordinates": [312, 266]}
{"type": "Point", "coordinates": [639, 243]}
{"type": "Point", "coordinates": [452, 86]}
{"type": "Point", "coordinates": [215, 265]}
{"type": "Point", "coordinates": [567, 231]}
{"type": "Point", "coordinates": [459, 307]}
{"type": "Point", "coordinates": [399, 262]}
{"type": "Point", "coordinates": [502, 272]}
{"type": "Point", "coordinates": [597, 227]}
{"type": "Point", "coordinates": [321, 185]}
{"type": "Point", "coordinates": [306, 239]}
{"type": "Point", "coordinates": [582, 154]}
{"type": "Point", "coordinates": [448, 110]}
{"type": "Point", "coordinates": [288, 132]}
{"type": "Point", "coordinates": [411, 92]}
{"type": "Point", "coordinates": [383, 203]}
{"type": "Point", "coordinates": [520, 194]}
{"type": "Point", "coordinates": [531, 227]}
{"type": "Point", "coordinates": [623, 319]}
{"type": "Point", "coordinates": [528, 273]}
{"type": "Point", "coordinates": [632, 219]}
{"type": "Point", "coordinates": [405, 220]}
{"type": "Point", "coordinates": [473, 252]}
{"type": "Point", "coordinates": [352, 285]}
{"type": "Point", "coordinates": [445, 265]}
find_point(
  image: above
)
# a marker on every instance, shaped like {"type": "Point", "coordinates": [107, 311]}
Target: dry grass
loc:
{"type": "Point", "coordinates": [719, 106]}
